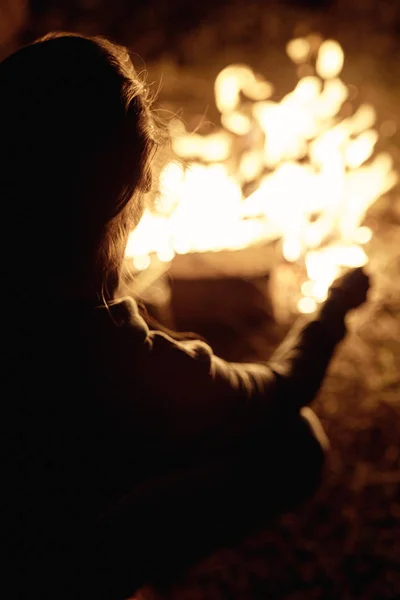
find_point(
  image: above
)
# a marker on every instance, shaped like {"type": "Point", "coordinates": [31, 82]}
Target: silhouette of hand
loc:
{"type": "Point", "coordinates": [350, 290]}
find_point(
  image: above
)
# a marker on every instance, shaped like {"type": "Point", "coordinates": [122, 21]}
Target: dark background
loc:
{"type": "Point", "coordinates": [346, 544]}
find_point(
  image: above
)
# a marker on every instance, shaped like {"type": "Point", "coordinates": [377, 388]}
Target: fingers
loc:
{"type": "Point", "coordinates": [351, 289]}
{"type": "Point", "coordinates": [354, 278]}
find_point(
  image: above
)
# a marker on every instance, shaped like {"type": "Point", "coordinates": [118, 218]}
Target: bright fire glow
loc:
{"type": "Point", "coordinates": [312, 169]}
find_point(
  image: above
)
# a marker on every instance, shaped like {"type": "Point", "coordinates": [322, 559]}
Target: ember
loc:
{"type": "Point", "coordinates": [302, 170]}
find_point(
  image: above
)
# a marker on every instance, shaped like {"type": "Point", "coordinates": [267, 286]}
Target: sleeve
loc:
{"type": "Point", "coordinates": [189, 392]}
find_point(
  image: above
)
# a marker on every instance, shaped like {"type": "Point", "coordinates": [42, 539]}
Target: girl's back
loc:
{"type": "Point", "coordinates": [116, 437]}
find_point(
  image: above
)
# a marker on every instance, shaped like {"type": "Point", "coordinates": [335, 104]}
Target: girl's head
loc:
{"type": "Point", "coordinates": [77, 137]}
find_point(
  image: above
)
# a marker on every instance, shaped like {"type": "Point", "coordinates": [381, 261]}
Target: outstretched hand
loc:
{"type": "Point", "coordinates": [350, 290]}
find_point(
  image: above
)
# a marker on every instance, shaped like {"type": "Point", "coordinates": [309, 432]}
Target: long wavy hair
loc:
{"type": "Point", "coordinates": [77, 137]}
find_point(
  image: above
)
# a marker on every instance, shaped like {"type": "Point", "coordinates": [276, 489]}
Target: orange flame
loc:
{"type": "Point", "coordinates": [315, 174]}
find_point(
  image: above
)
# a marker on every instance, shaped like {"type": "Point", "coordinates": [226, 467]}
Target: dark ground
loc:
{"type": "Point", "coordinates": [346, 544]}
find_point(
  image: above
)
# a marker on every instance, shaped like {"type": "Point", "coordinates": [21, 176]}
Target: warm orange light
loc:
{"type": "Point", "coordinates": [302, 169]}
{"type": "Point", "coordinates": [307, 305]}
{"type": "Point", "coordinates": [330, 59]}
{"type": "Point", "coordinates": [298, 50]}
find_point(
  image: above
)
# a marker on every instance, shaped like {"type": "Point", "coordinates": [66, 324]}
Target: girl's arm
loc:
{"type": "Point", "coordinates": [189, 393]}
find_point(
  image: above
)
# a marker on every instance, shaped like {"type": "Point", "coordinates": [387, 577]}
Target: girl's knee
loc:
{"type": "Point", "coordinates": [316, 428]}
{"type": "Point", "coordinates": [314, 448]}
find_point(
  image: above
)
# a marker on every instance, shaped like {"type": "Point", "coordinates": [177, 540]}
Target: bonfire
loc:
{"type": "Point", "coordinates": [301, 170]}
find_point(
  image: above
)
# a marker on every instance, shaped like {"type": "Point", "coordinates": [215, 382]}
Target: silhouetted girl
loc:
{"type": "Point", "coordinates": [124, 450]}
